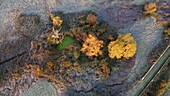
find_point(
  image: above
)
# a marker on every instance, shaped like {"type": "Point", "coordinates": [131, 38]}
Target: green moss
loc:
{"type": "Point", "coordinates": [67, 40]}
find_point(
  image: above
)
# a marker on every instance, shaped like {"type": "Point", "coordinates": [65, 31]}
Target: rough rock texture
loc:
{"type": "Point", "coordinates": [11, 11]}
{"type": "Point", "coordinates": [168, 92]}
{"type": "Point", "coordinates": [145, 31]}
{"type": "Point", "coordinates": [121, 16]}
{"type": "Point", "coordinates": [148, 35]}
{"type": "Point", "coordinates": [41, 88]}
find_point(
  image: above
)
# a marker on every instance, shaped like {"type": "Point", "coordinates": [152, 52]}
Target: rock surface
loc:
{"type": "Point", "coordinates": [145, 31]}
{"type": "Point", "coordinates": [41, 88]}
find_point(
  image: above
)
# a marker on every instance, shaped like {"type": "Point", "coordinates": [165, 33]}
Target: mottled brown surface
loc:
{"type": "Point", "coordinates": [145, 31]}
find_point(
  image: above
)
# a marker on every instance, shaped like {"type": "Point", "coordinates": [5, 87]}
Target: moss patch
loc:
{"type": "Point", "coordinates": [67, 40]}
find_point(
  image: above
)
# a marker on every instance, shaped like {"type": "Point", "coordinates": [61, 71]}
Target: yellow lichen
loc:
{"type": "Point", "coordinates": [167, 32]}
{"type": "Point", "coordinates": [56, 36]}
{"type": "Point", "coordinates": [91, 46]}
{"type": "Point", "coordinates": [124, 46]}
{"type": "Point", "coordinates": [56, 20]}
{"type": "Point", "coordinates": [150, 8]}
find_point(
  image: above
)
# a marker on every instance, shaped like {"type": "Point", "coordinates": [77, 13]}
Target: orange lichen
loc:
{"type": "Point", "coordinates": [56, 20]}
{"type": "Point", "coordinates": [163, 17]}
{"type": "Point", "coordinates": [163, 87]}
{"type": "Point", "coordinates": [15, 75]}
{"type": "Point", "coordinates": [167, 32]}
{"type": "Point", "coordinates": [91, 21]}
{"type": "Point", "coordinates": [91, 46]}
{"type": "Point", "coordinates": [78, 33]}
{"type": "Point", "coordinates": [106, 70]}
{"type": "Point", "coordinates": [66, 64]}
{"type": "Point", "coordinates": [77, 67]}
{"type": "Point", "coordinates": [39, 72]}
{"type": "Point", "coordinates": [74, 50]}
{"type": "Point", "coordinates": [50, 66]}
{"type": "Point", "coordinates": [101, 31]}
{"type": "Point", "coordinates": [124, 46]}
{"type": "Point", "coordinates": [162, 23]}
{"type": "Point", "coordinates": [150, 8]}
{"type": "Point", "coordinates": [110, 37]}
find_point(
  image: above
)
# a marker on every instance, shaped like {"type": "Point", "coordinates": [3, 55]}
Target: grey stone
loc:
{"type": "Point", "coordinates": [145, 31]}
{"type": "Point", "coordinates": [41, 88]}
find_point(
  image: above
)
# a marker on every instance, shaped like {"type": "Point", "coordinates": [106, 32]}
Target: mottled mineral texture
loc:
{"type": "Point", "coordinates": [121, 16]}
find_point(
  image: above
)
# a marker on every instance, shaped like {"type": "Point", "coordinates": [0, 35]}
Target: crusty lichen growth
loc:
{"type": "Point", "coordinates": [150, 8]}
{"type": "Point", "coordinates": [78, 33]}
{"type": "Point", "coordinates": [49, 73]}
{"type": "Point", "coordinates": [105, 70]}
{"type": "Point", "coordinates": [91, 21]}
{"type": "Point", "coordinates": [74, 50]}
{"type": "Point", "coordinates": [162, 88]}
{"type": "Point", "coordinates": [124, 46]}
{"type": "Point", "coordinates": [55, 37]}
{"type": "Point", "coordinates": [91, 46]}
{"type": "Point", "coordinates": [167, 31]}
{"type": "Point", "coordinates": [162, 23]}
{"type": "Point", "coordinates": [56, 20]}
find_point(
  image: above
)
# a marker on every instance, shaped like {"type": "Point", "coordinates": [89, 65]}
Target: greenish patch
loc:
{"type": "Point", "coordinates": [67, 40]}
